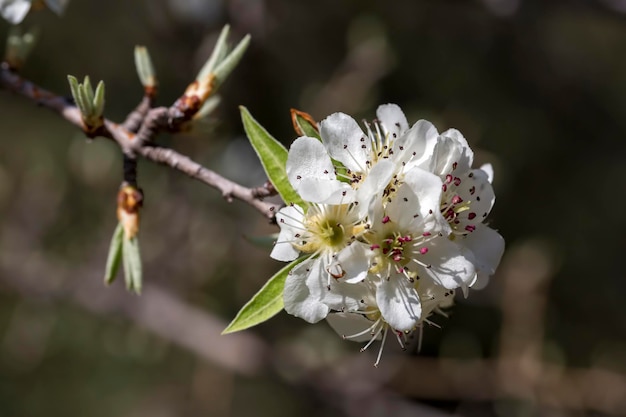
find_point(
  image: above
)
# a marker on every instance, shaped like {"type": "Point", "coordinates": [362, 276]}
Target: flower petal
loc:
{"type": "Point", "coordinates": [488, 168]}
{"type": "Point", "coordinates": [311, 173]}
{"type": "Point", "coordinates": [346, 141]}
{"type": "Point", "coordinates": [354, 261]}
{"type": "Point", "coordinates": [452, 154]}
{"type": "Point", "coordinates": [297, 296]}
{"type": "Point", "coordinates": [376, 181]}
{"type": "Point", "coordinates": [487, 246]}
{"type": "Point", "coordinates": [416, 146]}
{"type": "Point", "coordinates": [398, 302]}
{"type": "Point", "coordinates": [323, 191]}
{"type": "Point", "coordinates": [290, 221]}
{"type": "Point", "coordinates": [476, 189]}
{"type": "Point", "coordinates": [426, 187]}
{"type": "Point", "coordinates": [392, 120]}
{"type": "Point", "coordinates": [450, 264]}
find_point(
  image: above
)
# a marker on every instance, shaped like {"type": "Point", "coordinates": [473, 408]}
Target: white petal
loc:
{"type": "Point", "coordinates": [481, 281]}
{"type": "Point", "coordinates": [416, 146]}
{"type": "Point", "coordinates": [488, 168]}
{"type": "Point", "coordinates": [392, 119]}
{"type": "Point", "coordinates": [311, 172]}
{"type": "Point", "coordinates": [377, 179]}
{"type": "Point", "coordinates": [354, 261]}
{"type": "Point", "coordinates": [308, 158]}
{"type": "Point", "coordinates": [342, 295]}
{"type": "Point", "coordinates": [347, 324]}
{"type": "Point", "coordinates": [309, 296]}
{"type": "Point", "coordinates": [324, 191]}
{"type": "Point", "coordinates": [427, 190]}
{"type": "Point", "coordinates": [297, 296]}
{"type": "Point", "coordinates": [452, 155]}
{"type": "Point", "coordinates": [346, 141]}
{"type": "Point", "coordinates": [487, 246]}
{"type": "Point", "coordinates": [398, 302]}
{"type": "Point", "coordinates": [15, 10]}
{"type": "Point", "coordinates": [451, 264]}
{"type": "Point", "coordinates": [476, 189]}
{"type": "Point", "coordinates": [290, 221]}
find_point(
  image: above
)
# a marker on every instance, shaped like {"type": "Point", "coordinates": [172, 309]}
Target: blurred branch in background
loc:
{"type": "Point", "coordinates": [352, 385]}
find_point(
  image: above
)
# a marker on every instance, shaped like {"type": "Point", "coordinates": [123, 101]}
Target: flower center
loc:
{"type": "Point", "coordinates": [328, 228]}
{"type": "Point", "coordinates": [397, 252]}
{"type": "Point", "coordinates": [452, 205]}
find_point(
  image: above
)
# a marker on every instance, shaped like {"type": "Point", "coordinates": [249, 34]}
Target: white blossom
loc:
{"type": "Point", "coordinates": [366, 162]}
{"type": "Point", "coordinates": [404, 246]}
{"type": "Point", "coordinates": [322, 232]}
{"type": "Point", "coordinates": [393, 224]}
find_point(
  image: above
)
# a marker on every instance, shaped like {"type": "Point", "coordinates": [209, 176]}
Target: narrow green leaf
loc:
{"type": "Point", "coordinates": [88, 90]}
{"type": "Point", "coordinates": [145, 69]}
{"type": "Point", "coordinates": [98, 102]}
{"type": "Point", "coordinates": [219, 52]}
{"type": "Point", "coordinates": [137, 265]}
{"type": "Point", "coordinates": [273, 156]}
{"type": "Point", "coordinates": [128, 270]}
{"type": "Point", "coordinates": [115, 254]}
{"type": "Point", "coordinates": [265, 304]}
{"type": "Point", "coordinates": [75, 89]}
{"type": "Point", "coordinates": [132, 265]}
{"type": "Point", "coordinates": [228, 64]}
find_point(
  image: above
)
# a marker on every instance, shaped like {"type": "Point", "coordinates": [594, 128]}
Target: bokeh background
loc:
{"type": "Point", "coordinates": [539, 90]}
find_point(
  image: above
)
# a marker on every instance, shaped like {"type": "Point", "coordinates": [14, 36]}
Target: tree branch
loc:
{"type": "Point", "coordinates": [147, 122]}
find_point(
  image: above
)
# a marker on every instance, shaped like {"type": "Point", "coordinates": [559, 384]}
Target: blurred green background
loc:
{"type": "Point", "coordinates": [536, 87]}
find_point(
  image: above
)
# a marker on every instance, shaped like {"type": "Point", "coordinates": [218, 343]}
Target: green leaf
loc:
{"type": "Point", "coordinates": [228, 64]}
{"type": "Point", "coordinates": [132, 265]}
{"type": "Point", "coordinates": [98, 101]}
{"type": "Point", "coordinates": [115, 254]}
{"type": "Point", "coordinates": [273, 156]}
{"type": "Point", "coordinates": [77, 94]}
{"type": "Point", "coordinates": [265, 304]}
{"type": "Point", "coordinates": [88, 92]}
{"type": "Point", "coordinates": [144, 66]}
{"type": "Point", "coordinates": [219, 53]}
{"type": "Point", "coordinates": [304, 124]}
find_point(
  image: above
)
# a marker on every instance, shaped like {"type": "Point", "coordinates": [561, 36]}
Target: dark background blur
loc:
{"type": "Point", "coordinates": [537, 87]}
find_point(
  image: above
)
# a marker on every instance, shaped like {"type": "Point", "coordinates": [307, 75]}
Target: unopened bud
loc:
{"type": "Point", "coordinates": [129, 201]}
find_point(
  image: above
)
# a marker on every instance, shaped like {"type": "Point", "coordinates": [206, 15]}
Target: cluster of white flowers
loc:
{"type": "Point", "coordinates": [393, 225]}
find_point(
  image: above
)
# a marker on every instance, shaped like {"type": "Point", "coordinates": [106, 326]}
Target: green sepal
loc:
{"type": "Point", "coordinates": [303, 125]}
{"type": "Point", "coordinates": [273, 156]}
{"type": "Point", "coordinates": [265, 304]}
{"type": "Point", "coordinates": [115, 254]}
{"type": "Point", "coordinates": [132, 265]}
